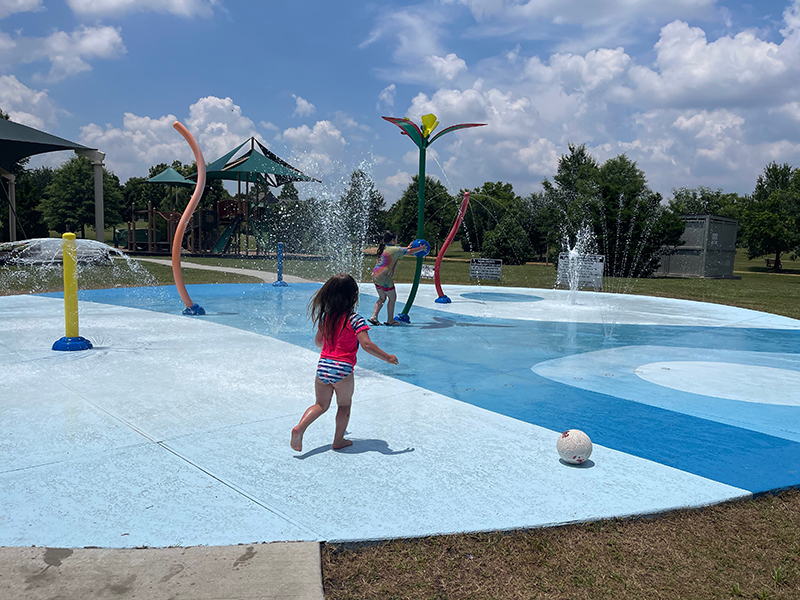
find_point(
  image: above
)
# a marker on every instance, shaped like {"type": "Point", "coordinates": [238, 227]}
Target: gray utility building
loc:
{"type": "Point", "coordinates": [708, 250]}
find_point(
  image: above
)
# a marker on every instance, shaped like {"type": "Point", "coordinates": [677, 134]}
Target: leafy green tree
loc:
{"type": "Point", "coordinates": [68, 201]}
{"type": "Point", "coordinates": [440, 212]}
{"type": "Point", "coordinates": [289, 193]}
{"type": "Point", "coordinates": [30, 188]}
{"type": "Point", "coordinates": [771, 216]}
{"type": "Point", "coordinates": [508, 241]}
{"type": "Point", "coordinates": [488, 205]}
{"type": "Point", "coordinates": [703, 200]}
{"type": "Point", "coordinates": [362, 204]}
{"type": "Point", "coordinates": [574, 188]}
{"type": "Point", "coordinates": [629, 222]}
{"type": "Point", "coordinates": [542, 222]}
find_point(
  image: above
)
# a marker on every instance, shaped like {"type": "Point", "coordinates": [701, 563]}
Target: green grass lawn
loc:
{"type": "Point", "coordinates": [755, 288]}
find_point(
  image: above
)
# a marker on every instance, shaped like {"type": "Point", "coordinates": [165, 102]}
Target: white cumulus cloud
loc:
{"type": "Point", "coordinates": [315, 150]}
{"type": "Point", "coordinates": [25, 105]}
{"type": "Point", "coordinates": [68, 53]}
{"type": "Point", "coordinates": [303, 108]}
{"type": "Point", "coordinates": [217, 124]}
{"type": "Point", "coordinates": [10, 7]}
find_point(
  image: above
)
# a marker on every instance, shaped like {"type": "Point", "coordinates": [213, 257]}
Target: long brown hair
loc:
{"type": "Point", "coordinates": [388, 236]}
{"type": "Point", "coordinates": [333, 303]}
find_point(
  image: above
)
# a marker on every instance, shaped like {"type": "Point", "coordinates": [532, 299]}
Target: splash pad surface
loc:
{"type": "Point", "coordinates": [174, 430]}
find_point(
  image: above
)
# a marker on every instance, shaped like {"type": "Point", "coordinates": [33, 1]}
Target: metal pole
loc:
{"type": "Point", "coordinates": [420, 234]}
{"type": "Point", "coordinates": [280, 282]}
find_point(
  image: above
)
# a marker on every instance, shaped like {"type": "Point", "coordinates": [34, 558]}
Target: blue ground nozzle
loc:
{"type": "Point", "coordinates": [443, 300]}
{"type": "Point", "coordinates": [69, 344]}
{"type": "Point", "coordinates": [403, 318]}
{"type": "Point", "coordinates": [193, 310]}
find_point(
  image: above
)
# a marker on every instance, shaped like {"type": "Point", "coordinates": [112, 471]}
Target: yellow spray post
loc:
{"type": "Point", "coordinates": [71, 339]}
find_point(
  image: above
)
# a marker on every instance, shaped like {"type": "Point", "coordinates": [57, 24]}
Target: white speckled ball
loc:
{"type": "Point", "coordinates": [574, 446]}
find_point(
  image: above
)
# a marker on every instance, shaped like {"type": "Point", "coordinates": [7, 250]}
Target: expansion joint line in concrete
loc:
{"type": "Point", "coordinates": [163, 445]}
{"type": "Point", "coordinates": [241, 492]}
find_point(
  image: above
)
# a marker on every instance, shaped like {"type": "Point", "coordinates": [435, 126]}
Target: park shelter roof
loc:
{"type": "Point", "coordinates": [171, 177]}
{"type": "Point", "coordinates": [264, 167]}
{"type": "Point", "coordinates": [19, 141]}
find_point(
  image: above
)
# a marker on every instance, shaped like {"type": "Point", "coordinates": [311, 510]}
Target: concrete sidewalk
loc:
{"type": "Point", "coordinates": [277, 571]}
{"type": "Point", "coordinates": [266, 276]}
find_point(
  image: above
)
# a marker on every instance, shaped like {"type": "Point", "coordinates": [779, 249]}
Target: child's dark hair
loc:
{"type": "Point", "coordinates": [388, 236]}
{"type": "Point", "coordinates": [333, 303]}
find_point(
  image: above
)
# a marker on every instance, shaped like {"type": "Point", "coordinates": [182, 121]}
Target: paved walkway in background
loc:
{"type": "Point", "coordinates": [267, 276]}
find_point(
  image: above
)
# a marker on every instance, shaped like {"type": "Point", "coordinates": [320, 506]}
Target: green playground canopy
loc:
{"type": "Point", "coordinates": [263, 167]}
{"type": "Point", "coordinates": [170, 176]}
{"type": "Point", "coordinates": [19, 141]}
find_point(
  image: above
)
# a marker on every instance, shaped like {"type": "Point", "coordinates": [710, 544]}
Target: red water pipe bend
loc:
{"type": "Point", "coordinates": [177, 241]}
{"type": "Point", "coordinates": [453, 231]}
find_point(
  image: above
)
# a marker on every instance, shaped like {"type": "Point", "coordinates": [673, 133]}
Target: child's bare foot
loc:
{"type": "Point", "coordinates": [297, 440]}
{"type": "Point", "coordinates": [342, 444]}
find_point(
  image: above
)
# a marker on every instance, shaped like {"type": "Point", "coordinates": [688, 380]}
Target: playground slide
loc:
{"type": "Point", "coordinates": [225, 239]}
{"type": "Point", "coordinates": [259, 231]}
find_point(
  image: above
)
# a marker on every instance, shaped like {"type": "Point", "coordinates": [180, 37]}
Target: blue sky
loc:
{"type": "Point", "coordinates": [697, 92]}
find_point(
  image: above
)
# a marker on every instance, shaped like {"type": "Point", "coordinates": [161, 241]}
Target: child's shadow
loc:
{"type": "Point", "coordinates": [358, 447]}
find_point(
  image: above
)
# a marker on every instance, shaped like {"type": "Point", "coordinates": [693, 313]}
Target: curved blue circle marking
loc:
{"type": "Point", "coordinates": [501, 297]}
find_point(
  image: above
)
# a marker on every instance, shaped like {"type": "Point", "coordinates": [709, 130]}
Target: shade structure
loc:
{"type": "Point", "coordinates": [170, 176]}
{"type": "Point", "coordinates": [263, 167]}
{"type": "Point", "coordinates": [19, 141]}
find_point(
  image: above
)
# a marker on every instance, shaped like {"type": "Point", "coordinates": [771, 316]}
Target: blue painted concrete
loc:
{"type": "Point", "coordinates": [174, 430]}
{"type": "Point", "coordinates": [493, 363]}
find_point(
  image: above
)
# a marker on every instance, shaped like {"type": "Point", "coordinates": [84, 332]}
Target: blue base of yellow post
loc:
{"type": "Point", "coordinates": [194, 309]}
{"type": "Point", "coordinates": [72, 343]}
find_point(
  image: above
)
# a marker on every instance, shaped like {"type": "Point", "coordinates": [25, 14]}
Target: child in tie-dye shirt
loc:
{"type": "Point", "coordinates": [383, 275]}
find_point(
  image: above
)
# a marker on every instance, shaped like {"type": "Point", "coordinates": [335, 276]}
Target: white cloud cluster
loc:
{"type": "Point", "coordinates": [701, 112]}
{"type": "Point", "coordinates": [216, 123]}
{"type": "Point", "coordinates": [67, 53]}
{"type": "Point", "coordinates": [303, 108]}
{"type": "Point", "coordinates": [33, 108]}
{"type": "Point", "coordinates": [10, 7]}
{"type": "Point", "coordinates": [386, 97]}
{"type": "Point", "coordinates": [600, 22]}
{"type": "Point", "coordinates": [315, 150]}
{"type": "Point", "coordinates": [116, 8]}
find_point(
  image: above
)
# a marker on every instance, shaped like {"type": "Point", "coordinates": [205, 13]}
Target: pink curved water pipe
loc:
{"type": "Point", "coordinates": [442, 298]}
{"type": "Point", "coordinates": [177, 242]}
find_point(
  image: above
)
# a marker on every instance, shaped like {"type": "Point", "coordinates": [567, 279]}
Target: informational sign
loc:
{"type": "Point", "coordinates": [485, 268]}
{"type": "Point", "coordinates": [427, 272]}
{"type": "Point", "coordinates": [580, 271]}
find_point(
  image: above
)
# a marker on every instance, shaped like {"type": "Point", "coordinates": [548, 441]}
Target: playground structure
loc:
{"type": "Point", "coordinates": [237, 226]}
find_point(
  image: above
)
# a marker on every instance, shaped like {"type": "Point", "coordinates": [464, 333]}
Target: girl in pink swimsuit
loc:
{"type": "Point", "coordinates": [340, 331]}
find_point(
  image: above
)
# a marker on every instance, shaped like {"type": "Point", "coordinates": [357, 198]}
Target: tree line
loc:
{"type": "Point", "coordinates": [631, 224]}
